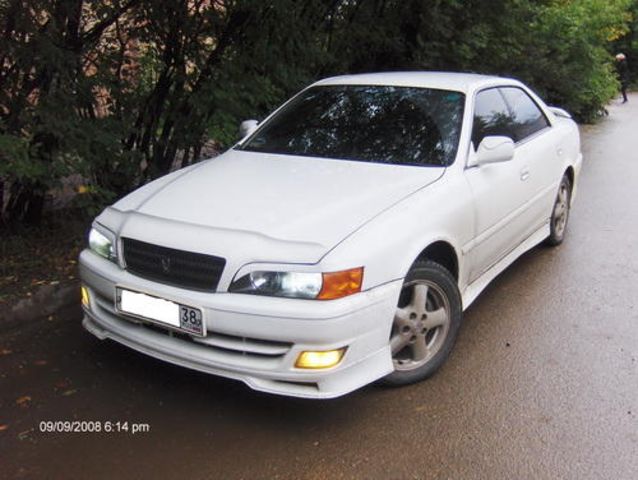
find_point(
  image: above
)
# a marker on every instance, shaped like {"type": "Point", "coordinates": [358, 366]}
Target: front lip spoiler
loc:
{"type": "Point", "coordinates": [299, 389]}
{"type": "Point", "coordinates": [304, 385]}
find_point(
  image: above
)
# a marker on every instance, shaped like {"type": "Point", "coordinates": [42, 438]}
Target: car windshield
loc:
{"type": "Point", "coordinates": [382, 124]}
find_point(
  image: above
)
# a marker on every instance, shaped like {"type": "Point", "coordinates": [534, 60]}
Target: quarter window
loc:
{"type": "Point", "coordinates": [527, 118]}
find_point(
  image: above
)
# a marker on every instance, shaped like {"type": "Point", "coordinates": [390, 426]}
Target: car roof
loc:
{"type": "Point", "coordinates": [462, 82]}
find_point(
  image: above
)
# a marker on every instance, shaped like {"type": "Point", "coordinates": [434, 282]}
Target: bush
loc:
{"type": "Point", "coordinates": [122, 92]}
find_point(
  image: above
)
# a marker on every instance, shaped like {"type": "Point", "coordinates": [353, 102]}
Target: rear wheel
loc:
{"type": "Point", "coordinates": [426, 323]}
{"type": "Point", "coordinates": [560, 213]}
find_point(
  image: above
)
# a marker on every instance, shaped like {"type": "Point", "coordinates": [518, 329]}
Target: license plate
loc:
{"type": "Point", "coordinates": [160, 310]}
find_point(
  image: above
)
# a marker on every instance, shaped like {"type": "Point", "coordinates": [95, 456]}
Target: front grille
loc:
{"type": "Point", "coordinates": [175, 267]}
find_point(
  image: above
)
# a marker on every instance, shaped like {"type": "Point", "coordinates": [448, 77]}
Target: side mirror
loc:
{"type": "Point", "coordinates": [493, 149]}
{"type": "Point", "coordinates": [247, 127]}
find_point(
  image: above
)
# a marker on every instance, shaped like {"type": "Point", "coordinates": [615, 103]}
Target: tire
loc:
{"type": "Point", "coordinates": [422, 337]}
{"type": "Point", "coordinates": [560, 213]}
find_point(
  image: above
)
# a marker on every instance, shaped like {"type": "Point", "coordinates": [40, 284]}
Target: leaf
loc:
{"type": "Point", "coordinates": [23, 401]}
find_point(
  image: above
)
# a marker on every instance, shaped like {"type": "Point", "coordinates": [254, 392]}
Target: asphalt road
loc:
{"type": "Point", "coordinates": [543, 382]}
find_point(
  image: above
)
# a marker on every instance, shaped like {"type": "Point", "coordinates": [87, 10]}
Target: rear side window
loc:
{"type": "Point", "coordinates": [527, 117]}
{"type": "Point", "coordinates": [491, 116]}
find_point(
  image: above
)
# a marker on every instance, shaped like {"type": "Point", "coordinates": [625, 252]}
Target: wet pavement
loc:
{"type": "Point", "coordinates": [543, 382]}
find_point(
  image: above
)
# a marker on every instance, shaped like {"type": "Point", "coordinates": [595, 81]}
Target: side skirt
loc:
{"type": "Point", "coordinates": [477, 286]}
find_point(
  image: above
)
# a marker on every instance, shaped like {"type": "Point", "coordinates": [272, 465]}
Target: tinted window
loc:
{"type": "Point", "coordinates": [399, 125]}
{"type": "Point", "coordinates": [491, 116]}
{"type": "Point", "coordinates": [527, 118]}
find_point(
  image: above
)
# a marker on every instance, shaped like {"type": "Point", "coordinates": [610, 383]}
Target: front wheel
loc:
{"type": "Point", "coordinates": [426, 323]}
{"type": "Point", "coordinates": [560, 213]}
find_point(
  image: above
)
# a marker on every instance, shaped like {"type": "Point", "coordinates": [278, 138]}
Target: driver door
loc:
{"type": "Point", "coordinates": [498, 189]}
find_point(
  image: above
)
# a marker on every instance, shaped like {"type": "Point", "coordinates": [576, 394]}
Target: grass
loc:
{"type": "Point", "coordinates": [34, 256]}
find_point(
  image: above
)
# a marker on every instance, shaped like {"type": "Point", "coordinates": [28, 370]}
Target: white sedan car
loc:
{"type": "Point", "coordinates": [340, 240]}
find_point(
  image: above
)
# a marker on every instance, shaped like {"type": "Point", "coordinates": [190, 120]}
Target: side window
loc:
{"type": "Point", "coordinates": [491, 116]}
{"type": "Point", "coordinates": [527, 118]}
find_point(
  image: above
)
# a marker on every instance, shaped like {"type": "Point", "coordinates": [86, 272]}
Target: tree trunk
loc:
{"type": "Point", "coordinates": [26, 202]}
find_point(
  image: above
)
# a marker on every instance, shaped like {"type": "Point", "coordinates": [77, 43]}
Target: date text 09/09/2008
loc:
{"type": "Point", "coordinates": [93, 426]}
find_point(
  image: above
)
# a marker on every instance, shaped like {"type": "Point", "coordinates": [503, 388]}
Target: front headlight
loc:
{"type": "Point", "coordinates": [321, 286]}
{"type": "Point", "coordinates": [101, 244]}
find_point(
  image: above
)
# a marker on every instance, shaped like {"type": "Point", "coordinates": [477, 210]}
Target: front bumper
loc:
{"type": "Point", "coordinates": [252, 338]}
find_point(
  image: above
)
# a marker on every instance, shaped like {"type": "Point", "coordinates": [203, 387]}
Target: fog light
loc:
{"type": "Point", "coordinates": [326, 359]}
{"type": "Point", "coordinates": [85, 296]}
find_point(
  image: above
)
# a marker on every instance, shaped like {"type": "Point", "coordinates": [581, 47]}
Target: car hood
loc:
{"type": "Point", "coordinates": [285, 198]}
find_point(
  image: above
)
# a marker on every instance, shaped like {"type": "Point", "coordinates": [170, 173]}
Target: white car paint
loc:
{"type": "Point", "coordinates": [285, 197]}
{"type": "Point", "coordinates": [285, 213]}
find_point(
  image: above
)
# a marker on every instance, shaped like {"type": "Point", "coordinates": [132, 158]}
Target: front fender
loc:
{"type": "Point", "coordinates": [389, 245]}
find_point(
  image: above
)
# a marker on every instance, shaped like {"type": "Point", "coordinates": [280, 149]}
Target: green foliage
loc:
{"type": "Point", "coordinates": [124, 91]}
{"type": "Point", "coordinates": [628, 43]}
{"type": "Point", "coordinates": [581, 75]}
{"type": "Point", "coordinates": [16, 159]}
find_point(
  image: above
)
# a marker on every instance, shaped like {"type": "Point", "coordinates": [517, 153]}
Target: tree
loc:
{"type": "Point", "coordinates": [628, 43]}
{"type": "Point", "coordinates": [126, 90]}
{"type": "Point", "coordinates": [45, 92]}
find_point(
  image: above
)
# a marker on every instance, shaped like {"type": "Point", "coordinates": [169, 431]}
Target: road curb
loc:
{"type": "Point", "coordinates": [47, 300]}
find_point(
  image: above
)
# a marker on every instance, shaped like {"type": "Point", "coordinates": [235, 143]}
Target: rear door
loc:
{"type": "Point", "coordinates": [538, 152]}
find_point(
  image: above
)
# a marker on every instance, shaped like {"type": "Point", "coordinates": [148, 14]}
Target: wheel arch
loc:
{"type": "Point", "coordinates": [443, 253]}
{"type": "Point", "coordinates": [570, 174]}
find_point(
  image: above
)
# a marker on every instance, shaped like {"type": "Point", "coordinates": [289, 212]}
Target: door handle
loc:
{"type": "Point", "coordinates": [524, 174]}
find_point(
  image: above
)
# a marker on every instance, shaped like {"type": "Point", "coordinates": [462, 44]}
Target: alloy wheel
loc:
{"type": "Point", "coordinates": [561, 210]}
{"type": "Point", "coordinates": [421, 324]}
